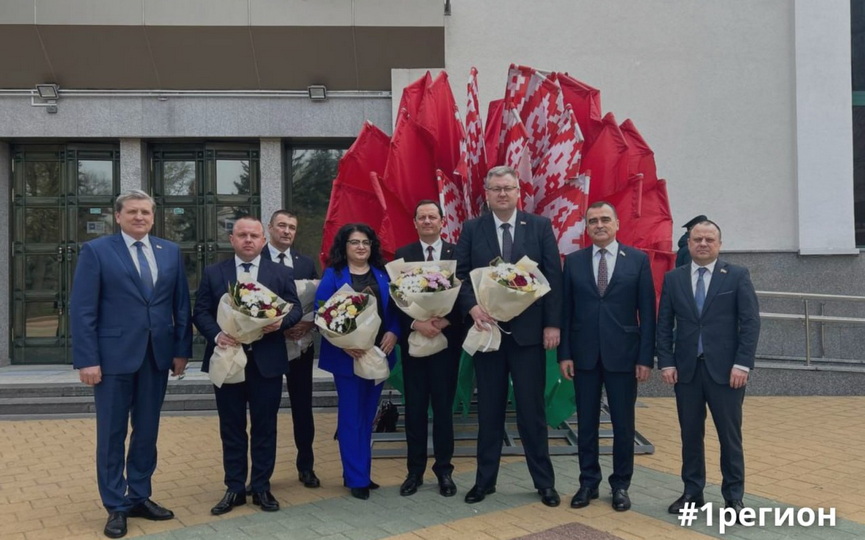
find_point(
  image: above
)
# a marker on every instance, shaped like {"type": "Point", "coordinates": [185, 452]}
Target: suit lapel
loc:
{"type": "Point", "coordinates": [162, 263]}
{"type": "Point", "coordinates": [621, 263]}
{"type": "Point", "coordinates": [521, 233]}
{"type": "Point", "coordinates": [126, 259]}
{"type": "Point", "coordinates": [488, 232]}
{"type": "Point", "coordinates": [229, 272]}
{"type": "Point", "coordinates": [586, 268]}
{"type": "Point", "coordinates": [447, 251]}
{"type": "Point", "coordinates": [684, 278]}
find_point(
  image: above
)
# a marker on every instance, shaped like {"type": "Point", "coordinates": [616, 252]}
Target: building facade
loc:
{"type": "Point", "coordinates": [206, 104]}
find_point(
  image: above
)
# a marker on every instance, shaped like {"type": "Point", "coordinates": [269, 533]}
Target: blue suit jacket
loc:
{"type": "Point", "coordinates": [618, 328]}
{"type": "Point", "coordinates": [533, 236]}
{"type": "Point", "coordinates": [331, 358]}
{"type": "Point", "coordinates": [304, 268]}
{"type": "Point", "coordinates": [730, 322]}
{"type": "Point", "coordinates": [269, 351]}
{"type": "Point", "coordinates": [111, 318]}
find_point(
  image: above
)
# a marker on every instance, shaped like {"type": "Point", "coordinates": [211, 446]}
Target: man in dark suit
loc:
{"type": "Point", "coordinates": [130, 322]}
{"type": "Point", "coordinates": [267, 362]}
{"type": "Point", "coordinates": [713, 308]}
{"type": "Point", "coordinates": [430, 379]}
{"type": "Point", "coordinates": [282, 229]}
{"type": "Point", "coordinates": [511, 234]}
{"type": "Point", "coordinates": [608, 339]}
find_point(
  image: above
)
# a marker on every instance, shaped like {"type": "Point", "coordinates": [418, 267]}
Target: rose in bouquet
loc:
{"type": "Point", "coordinates": [306, 295]}
{"type": "Point", "coordinates": [424, 290]}
{"type": "Point", "coordinates": [349, 320]}
{"type": "Point", "coordinates": [504, 290]}
{"type": "Point", "coordinates": [242, 314]}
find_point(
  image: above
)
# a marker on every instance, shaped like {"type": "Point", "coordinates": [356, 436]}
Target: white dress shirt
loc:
{"type": "Point", "coordinates": [612, 254]}
{"type": "Point", "coordinates": [513, 222]}
{"type": "Point", "coordinates": [437, 249]}
{"type": "Point", "coordinates": [148, 254]}
{"type": "Point", "coordinates": [253, 270]}
{"type": "Point", "coordinates": [274, 255]}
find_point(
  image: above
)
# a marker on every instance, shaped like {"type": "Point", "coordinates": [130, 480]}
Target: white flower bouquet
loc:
{"type": "Point", "coordinates": [423, 290]}
{"type": "Point", "coordinates": [504, 290]}
{"type": "Point", "coordinates": [306, 295]}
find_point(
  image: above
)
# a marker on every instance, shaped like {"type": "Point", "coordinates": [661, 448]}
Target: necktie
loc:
{"type": "Point", "coordinates": [429, 253]}
{"type": "Point", "coordinates": [144, 268]}
{"type": "Point", "coordinates": [602, 272]}
{"type": "Point", "coordinates": [246, 267]}
{"type": "Point", "coordinates": [281, 259]}
{"type": "Point", "coordinates": [700, 299]}
{"type": "Point", "coordinates": [507, 242]}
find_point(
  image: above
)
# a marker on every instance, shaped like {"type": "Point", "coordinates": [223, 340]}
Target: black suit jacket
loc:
{"type": "Point", "coordinates": [619, 327]}
{"type": "Point", "coordinates": [304, 267]}
{"type": "Point", "coordinates": [730, 322]}
{"type": "Point", "coordinates": [414, 253]}
{"type": "Point", "coordinates": [533, 237]}
{"type": "Point", "coordinates": [269, 351]}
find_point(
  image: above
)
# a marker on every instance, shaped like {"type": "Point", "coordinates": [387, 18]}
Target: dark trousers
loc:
{"type": "Point", "coordinates": [621, 397]}
{"type": "Point", "coordinates": [263, 395]}
{"type": "Point", "coordinates": [527, 368]}
{"type": "Point", "coordinates": [430, 380]}
{"type": "Point", "coordinates": [726, 406]}
{"type": "Point", "coordinates": [358, 403]}
{"type": "Point", "coordinates": [299, 384]}
{"type": "Point", "coordinates": [120, 398]}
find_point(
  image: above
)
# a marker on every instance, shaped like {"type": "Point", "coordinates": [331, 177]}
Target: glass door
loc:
{"type": "Point", "coordinates": [62, 197]}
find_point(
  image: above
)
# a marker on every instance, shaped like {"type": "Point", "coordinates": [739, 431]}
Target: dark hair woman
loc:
{"type": "Point", "coordinates": [355, 259]}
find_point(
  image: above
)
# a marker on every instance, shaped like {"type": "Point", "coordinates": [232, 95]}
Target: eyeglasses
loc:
{"type": "Point", "coordinates": [355, 243]}
{"type": "Point", "coordinates": [504, 189]}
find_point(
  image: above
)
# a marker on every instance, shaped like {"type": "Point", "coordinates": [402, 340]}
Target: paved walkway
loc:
{"type": "Point", "coordinates": [801, 452]}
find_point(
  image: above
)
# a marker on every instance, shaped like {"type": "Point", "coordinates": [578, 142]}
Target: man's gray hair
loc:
{"type": "Point", "coordinates": [501, 170]}
{"type": "Point", "coordinates": [132, 195]}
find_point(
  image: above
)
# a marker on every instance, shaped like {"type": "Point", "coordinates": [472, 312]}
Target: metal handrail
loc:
{"type": "Point", "coordinates": [807, 317]}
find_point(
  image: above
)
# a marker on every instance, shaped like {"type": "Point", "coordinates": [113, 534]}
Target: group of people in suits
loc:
{"type": "Point", "coordinates": [600, 316]}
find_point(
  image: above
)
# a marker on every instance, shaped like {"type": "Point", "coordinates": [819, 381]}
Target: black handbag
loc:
{"type": "Point", "coordinates": [386, 418]}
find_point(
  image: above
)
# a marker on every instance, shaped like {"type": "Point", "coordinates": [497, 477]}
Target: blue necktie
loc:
{"type": "Point", "coordinates": [144, 268]}
{"type": "Point", "coordinates": [700, 299]}
{"type": "Point", "coordinates": [507, 242]}
{"type": "Point", "coordinates": [246, 267]}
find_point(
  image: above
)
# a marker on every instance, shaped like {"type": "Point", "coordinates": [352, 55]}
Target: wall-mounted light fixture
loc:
{"type": "Point", "coordinates": [49, 94]}
{"type": "Point", "coordinates": [317, 92]}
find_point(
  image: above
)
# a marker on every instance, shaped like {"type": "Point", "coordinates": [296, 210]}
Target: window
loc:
{"type": "Point", "coordinates": [312, 170]}
{"type": "Point", "coordinates": [857, 23]}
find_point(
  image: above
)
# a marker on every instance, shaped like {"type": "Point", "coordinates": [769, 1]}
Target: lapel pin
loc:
{"type": "Point", "coordinates": [522, 222]}
{"type": "Point", "coordinates": [622, 253]}
{"type": "Point", "coordinates": [158, 246]}
{"type": "Point", "coordinates": [723, 270]}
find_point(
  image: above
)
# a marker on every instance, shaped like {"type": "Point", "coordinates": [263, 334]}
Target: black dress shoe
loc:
{"type": "Point", "coordinates": [680, 503]}
{"type": "Point", "coordinates": [550, 497]}
{"type": "Point", "coordinates": [360, 493]}
{"type": "Point", "coordinates": [476, 494]}
{"type": "Point", "coordinates": [228, 502]}
{"type": "Point", "coordinates": [737, 505]}
{"type": "Point", "coordinates": [621, 500]}
{"type": "Point", "coordinates": [115, 527]}
{"type": "Point", "coordinates": [148, 509]}
{"type": "Point", "coordinates": [447, 488]}
{"type": "Point", "coordinates": [583, 497]}
{"type": "Point", "coordinates": [373, 485]}
{"type": "Point", "coordinates": [410, 485]}
{"type": "Point", "coordinates": [266, 501]}
{"type": "Point", "coordinates": [309, 479]}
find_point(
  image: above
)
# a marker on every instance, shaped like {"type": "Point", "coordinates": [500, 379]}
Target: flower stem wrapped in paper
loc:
{"type": "Point", "coordinates": [423, 290]}
{"type": "Point", "coordinates": [306, 294]}
{"type": "Point", "coordinates": [504, 290]}
{"type": "Point", "coordinates": [243, 312]}
{"type": "Point", "coordinates": [349, 320]}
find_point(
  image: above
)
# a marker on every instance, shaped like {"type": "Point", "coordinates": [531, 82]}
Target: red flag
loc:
{"type": "Point", "coordinates": [413, 94]}
{"type": "Point", "coordinates": [608, 160]}
{"type": "Point", "coordinates": [566, 210]}
{"type": "Point", "coordinates": [654, 228]}
{"type": "Point", "coordinates": [641, 158]}
{"type": "Point", "coordinates": [439, 116]}
{"type": "Point", "coordinates": [586, 102]}
{"type": "Point", "coordinates": [561, 161]}
{"type": "Point", "coordinates": [495, 113]}
{"type": "Point", "coordinates": [661, 262]}
{"type": "Point", "coordinates": [516, 156]}
{"type": "Point", "coordinates": [628, 203]}
{"type": "Point", "coordinates": [541, 114]}
{"type": "Point", "coordinates": [408, 177]}
{"type": "Point", "coordinates": [450, 198]}
{"type": "Point", "coordinates": [476, 159]}
{"type": "Point", "coordinates": [354, 197]}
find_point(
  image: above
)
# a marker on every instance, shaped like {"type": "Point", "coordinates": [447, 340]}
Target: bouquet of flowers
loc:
{"type": "Point", "coordinates": [349, 320]}
{"type": "Point", "coordinates": [423, 290]}
{"type": "Point", "coordinates": [243, 311]}
{"type": "Point", "coordinates": [306, 295]}
{"type": "Point", "coordinates": [504, 290]}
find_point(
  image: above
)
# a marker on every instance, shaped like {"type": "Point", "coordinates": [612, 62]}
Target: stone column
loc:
{"type": "Point", "coordinates": [133, 165]}
{"type": "Point", "coordinates": [5, 259]}
{"type": "Point", "coordinates": [272, 177]}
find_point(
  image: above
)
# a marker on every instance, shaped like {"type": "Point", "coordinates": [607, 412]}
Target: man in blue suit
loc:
{"type": "Point", "coordinates": [511, 234]}
{"type": "Point", "coordinates": [608, 340]}
{"type": "Point", "coordinates": [282, 229]}
{"type": "Point", "coordinates": [130, 326]}
{"type": "Point", "coordinates": [712, 306]}
{"type": "Point", "coordinates": [267, 362]}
